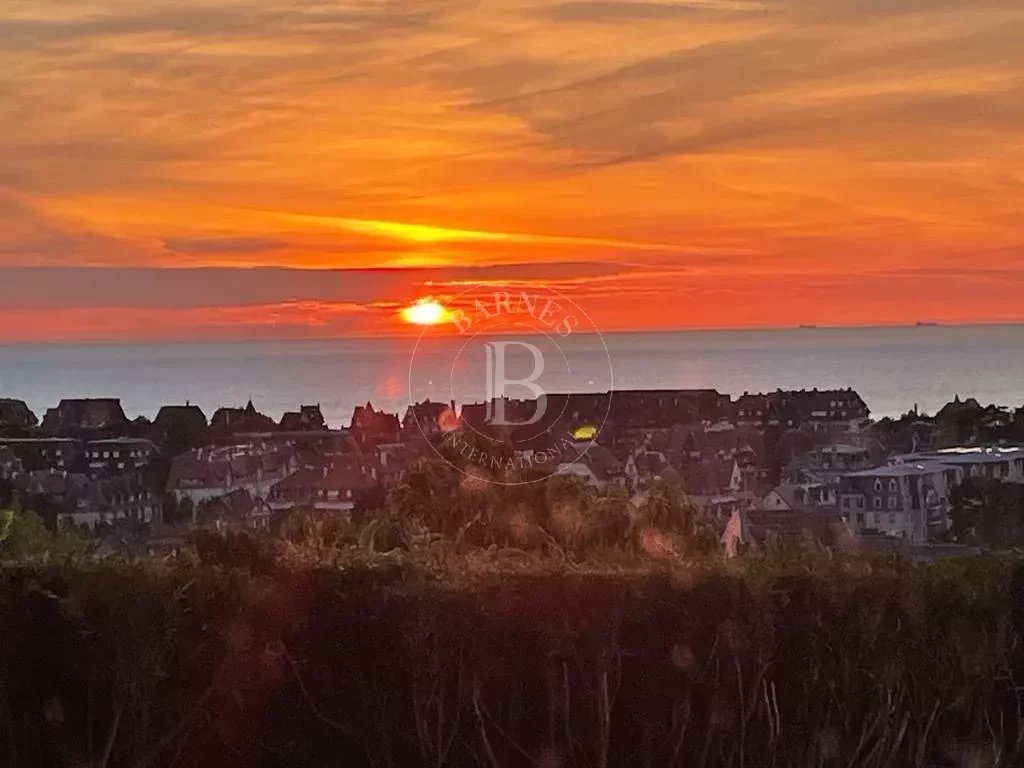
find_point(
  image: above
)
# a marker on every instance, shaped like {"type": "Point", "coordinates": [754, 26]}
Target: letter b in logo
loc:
{"type": "Point", "coordinates": [498, 381]}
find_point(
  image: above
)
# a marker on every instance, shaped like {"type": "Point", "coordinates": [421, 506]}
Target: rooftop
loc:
{"type": "Point", "coordinates": [966, 455]}
{"type": "Point", "coordinates": [902, 470]}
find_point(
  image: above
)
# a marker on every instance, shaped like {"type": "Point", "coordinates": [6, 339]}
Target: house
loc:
{"type": "Point", "coordinates": [16, 415]}
{"type": "Point", "coordinates": [326, 489]}
{"type": "Point", "coordinates": [804, 497]}
{"type": "Point", "coordinates": [118, 456]}
{"type": "Point", "coordinates": [227, 422]}
{"type": "Point", "coordinates": [665, 407]}
{"type": "Point", "coordinates": [235, 510]}
{"type": "Point", "coordinates": [183, 425]}
{"type": "Point", "coordinates": [60, 453]}
{"type": "Point", "coordinates": [110, 500]}
{"type": "Point", "coordinates": [606, 413]}
{"type": "Point", "coordinates": [395, 459]}
{"type": "Point", "coordinates": [429, 419]}
{"type": "Point", "coordinates": [85, 414]}
{"type": "Point", "coordinates": [208, 473]}
{"type": "Point", "coordinates": [513, 411]}
{"type": "Point", "coordinates": [826, 463]}
{"type": "Point", "coordinates": [958, 410]}
{"type": "Point", "coordinates": [806, 407]}
{"type": "Point", "coordinates": [307, 418]}
{"type": "Point", "coordinates": [904, 500]}
{"type": "Point", "coordinates": [1004, 463]}
{"type": "Point", "coordinates": [370, 426]}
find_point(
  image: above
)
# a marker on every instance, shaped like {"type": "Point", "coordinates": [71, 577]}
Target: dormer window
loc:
{"type": "Point", "coordinates": [878, 485]}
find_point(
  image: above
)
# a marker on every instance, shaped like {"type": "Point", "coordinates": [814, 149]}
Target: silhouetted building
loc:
{"type": "Point", "coordinates": [799, 408]}
{"type": "Point", "coordinates": [960, 410]}
{"type": "Point", "coordinates": [85, 414]}
{"type": "Point", "coordinates": [183, 425]}
{"type": "Point", "coordinates": [231, 421]}
{"type": "Point", "coordinates": [308, 417]}
{"type": "Point", "coordinates": [370, 426]}
{"type": "Point", "coordinates": [429, 418]}
{"type": "Point", "coordinates": [665, 407]}
{"type": "Point", "coordinates": [15, 414]}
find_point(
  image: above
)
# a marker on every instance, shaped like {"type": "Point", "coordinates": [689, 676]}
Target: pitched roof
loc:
{"type": "Point", "coordinates": [85, 413]}
{"type": "Point", "coordinates": [307, 417]}
{"type": "Point", "coordinates": [235, 420]}
{"type": "Point", "coordinates": [802, 405]}
{"type": "Point", "coordinates": [171, 417]}
{"type": "Point", "coordinates": [16, 413]}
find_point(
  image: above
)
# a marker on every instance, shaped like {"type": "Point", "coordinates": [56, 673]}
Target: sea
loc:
{"type": "Point", "coordinates": [893, 368]}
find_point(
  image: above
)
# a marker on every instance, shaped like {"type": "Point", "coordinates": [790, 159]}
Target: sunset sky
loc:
{"type": "Point", "coordinates": [265, 169]}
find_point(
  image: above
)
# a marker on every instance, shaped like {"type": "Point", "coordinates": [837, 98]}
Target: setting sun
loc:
{"type": "Point", "coordinates": [425, 312]}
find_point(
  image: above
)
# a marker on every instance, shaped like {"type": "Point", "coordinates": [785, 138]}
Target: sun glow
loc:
{"type": "Point", "coordinates": [425, 312]}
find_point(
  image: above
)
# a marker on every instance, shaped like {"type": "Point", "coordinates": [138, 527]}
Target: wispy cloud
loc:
{"type": "Point", "coordinates": [423, 233]}
{"type": "Point", "coordinates": [602, 11]}
{"type": "Point", "coordinates": [713, 140]}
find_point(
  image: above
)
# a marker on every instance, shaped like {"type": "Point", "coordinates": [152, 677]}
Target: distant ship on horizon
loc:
{"type": "Point", "coordinates": [926, 324]}
{"type": "Point", "coordinates": [807, 325]}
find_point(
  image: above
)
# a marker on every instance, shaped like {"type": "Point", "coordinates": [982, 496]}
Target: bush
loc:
{"type": "Point", "coordinates": [792, 659]}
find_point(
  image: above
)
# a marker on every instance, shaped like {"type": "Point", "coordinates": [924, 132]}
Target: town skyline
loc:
{"type": "Point", "coordinates": [259, 169]}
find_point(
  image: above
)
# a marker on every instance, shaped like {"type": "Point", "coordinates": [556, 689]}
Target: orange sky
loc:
{"type": "Point", "coordinates": [668, 163]}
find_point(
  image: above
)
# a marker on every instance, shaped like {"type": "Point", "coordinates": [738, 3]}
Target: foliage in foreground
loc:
{"type": "Point", "coordinates": [797, 658]}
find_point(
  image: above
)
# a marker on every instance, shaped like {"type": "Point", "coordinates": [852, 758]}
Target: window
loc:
{"type": "Point", "coordinates": [892, 519]}
{"type": "Point", "coordinates": [893, 486]}
{"type": "Point", "coordinates": [847, 503]}
{"type": "Point", "coordinates": [877, 502]}
{"type": "Point", "coordinates": [893, 502]}
{"type": "Point", "coordinates": [878, 485]}
{"type": "Point", "coordinates": [860, 518]}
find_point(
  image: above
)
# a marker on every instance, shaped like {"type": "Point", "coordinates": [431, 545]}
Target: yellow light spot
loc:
{"type": "Point", "coordinates": [425, 312]}
{"type": "Point", "coordinates": [584, 432]}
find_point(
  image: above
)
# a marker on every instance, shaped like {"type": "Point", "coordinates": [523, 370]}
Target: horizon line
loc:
{"type": "Point", "coordinates": [808, 327]}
